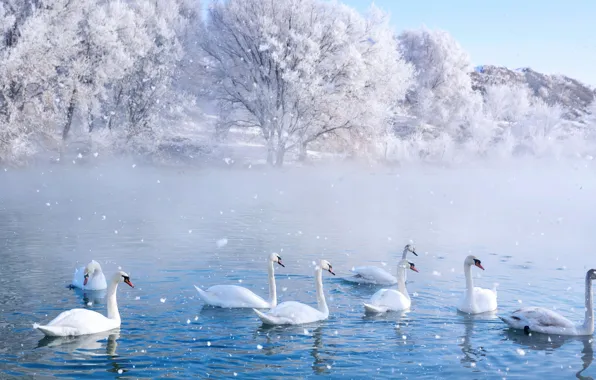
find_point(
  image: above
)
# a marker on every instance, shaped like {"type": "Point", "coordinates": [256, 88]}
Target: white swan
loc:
{"type": "Point", "coordinates": [76, 322]}
{"type": "Point", "coordinates": [476, 300]}
{"type": "Point", "coordinates": [89, 277]}
{"type": "Point", "coordinates": [234, 296]}
{"type": "Point", "coordinates": [296, 313]}
{"type": "Point", "coordinates": [390, 299]}
{"type": "Point", "coordinates": [541, 320]}
{"type": "Point", "coordinates": [376, 275]}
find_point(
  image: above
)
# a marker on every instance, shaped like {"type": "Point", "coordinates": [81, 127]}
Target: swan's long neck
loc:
{"type": "Point", "coordinates": [322, 303]}
{"type": "Point", "coordinates": [272, 288]}
{"type": "Point", "coordinates": [401, 281]}
{"type": "Point", "coordinates": [404, 254]}
{"type": "Point", "coordinates": [469, 282]}
{"type": "Point", "coordinates": [112, 302]}
{"type": "Point", "coordinates": [589, 318]}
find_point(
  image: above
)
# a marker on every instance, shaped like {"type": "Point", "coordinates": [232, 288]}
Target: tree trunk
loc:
{"type": "Point", "coordinates": [69, 114]}
{"type": "Point", "coordinates": [279, 156]}
{"type": "Point", "coordinates": [302, 155]}
{"type": "Point", "coordinates": [270, 152]}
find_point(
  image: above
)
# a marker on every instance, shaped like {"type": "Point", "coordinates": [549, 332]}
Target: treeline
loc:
{"type": "Point", "coordinates": [305, 74]}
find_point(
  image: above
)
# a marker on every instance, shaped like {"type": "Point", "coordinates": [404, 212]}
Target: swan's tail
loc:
{"type": "Point", "coordinates": [374, 309]}
{"type": "Point", "coordinates": [49, 330]}
{"type": "Point", "coordinates": [266, 319]}
{"type": "Point", "coordinates": [495, 285]}
{"type": "Point", "coordinates": [514, 323]}
{"type": "Point", "coordinates": [202, 293]}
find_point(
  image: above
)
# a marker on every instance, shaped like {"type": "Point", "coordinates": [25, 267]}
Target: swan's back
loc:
{"type": "Point", "coordinates": [372, 275]}
{"type": "Point", "coordinates": [484, 300]}
{"type": "Point", "coordinates": [391, 298]}
{"type": "Point", "coordinates": [541, 320]}
{"type": "Point", "coordinates": [292, 312]}
{"type": "Point", "coordinates": [77, 322]}
{"type": "Point", "coordinates": [232, 296]}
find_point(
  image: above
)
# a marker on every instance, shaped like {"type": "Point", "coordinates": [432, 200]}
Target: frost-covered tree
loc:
{"type": "Point", "coordinates": [442, 95]}
{"type": "Point", "coordinates": [300, 70]}
{"type": "Point", "coordinates": [507, 103]}
{"type": "Point", "coordinates": [109, 64]}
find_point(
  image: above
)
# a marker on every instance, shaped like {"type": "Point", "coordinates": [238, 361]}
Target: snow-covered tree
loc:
{"type": "Point", "coordinates": [507, 103]}
{"type": "Point", "coordinates": [110, 64]}
{"type": "Point", "coordinates": [300, 70]}
{"type": "Point", "coordinates": [443, 94]}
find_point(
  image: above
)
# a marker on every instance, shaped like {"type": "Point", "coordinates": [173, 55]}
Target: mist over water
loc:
{"type": "Point", "coordinates": [530, 221]}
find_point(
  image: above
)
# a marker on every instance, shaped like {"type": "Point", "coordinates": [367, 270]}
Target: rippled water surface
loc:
{"type": "Point", "coordinates": [532, 225]}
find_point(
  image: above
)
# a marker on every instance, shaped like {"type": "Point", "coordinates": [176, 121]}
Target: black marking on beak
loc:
{"type": "Point", "coordinates": [279, 261]}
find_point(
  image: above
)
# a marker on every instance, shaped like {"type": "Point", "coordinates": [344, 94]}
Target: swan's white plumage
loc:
{"type": "Point", "coordinates": [389, 299]}
{"type": "Point", "coordinates": [392, 299]}
{"type": "Point", "coordinates": [234, 296]}
{"type": "Point", "coordinates": [291, 313]}
{"type": "Point", "coordinates": [297, 313]}
{"type": "Point", "coordinates": [78, 322]}
{"type": "Point", "coordinates": [372, 275]}
{"type": "Point", "coordinates": [375, 275]}
{"type": "Point", "coordinates": [542, 320]}
{"type": "Point", "coordinates": [96, 280]}
{"type": "Point", "coordinates": [476, 300]}
{"type": "Point", "coordinates": [482, 301]}
{"type": "Point", "coordinates": [83, 321]}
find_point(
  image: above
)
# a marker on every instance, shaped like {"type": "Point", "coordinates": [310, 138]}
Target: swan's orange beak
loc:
{"type": "Point", "coordinates": [86, 278]}
{"type": "Point", "coordinates": [330, 271]}
{"type": "Point", "coordinates": [279, 262]}
{"type": "Point", "coordinates": [127, 282]}
{"type": "Point", "coordinates": [479, 266]}
{"type": "Point", "coordinates": [414, 268]}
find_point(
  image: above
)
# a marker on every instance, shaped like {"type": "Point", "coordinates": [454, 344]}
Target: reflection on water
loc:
{"type": "Point", "coordinates": [86, 344]}
{"type": "Point", "coordinates": [89, 297]}
{"type": "Point", "coordinates": [550, 343]}
{"type": "Point", "coordinates": [165, 235]}
{"type": "Point", "coordinates": [473, 351]}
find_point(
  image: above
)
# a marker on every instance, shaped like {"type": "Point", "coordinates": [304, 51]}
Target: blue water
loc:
{"type": "Point", "coordinates": [531, 227]}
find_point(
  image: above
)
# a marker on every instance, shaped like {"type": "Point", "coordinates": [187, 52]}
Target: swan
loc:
{"type": "Point", "coordinates": [476, 300]}
{"type": "Point", "coordinates": [376, 275]}
{"type": "Point", "coordinates": [390, 299]}
{"type": "Point", "coordinates": [77, 322]}
{"type": "Point", "coordinates": [89, 277]}
{"type": "Point", "coordinates": [541, 320]}
{"type": "Point", "coordinates": [296, 313]}
{"type": "Point", "coordinates": [234, 296]}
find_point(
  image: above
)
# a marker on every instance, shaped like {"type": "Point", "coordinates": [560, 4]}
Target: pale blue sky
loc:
{"type": "Point", "coordinates": [550, 36]}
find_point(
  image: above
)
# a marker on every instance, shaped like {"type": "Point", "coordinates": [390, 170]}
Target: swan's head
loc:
{"type": "Point", "coordinates": [121, 276]}
{"type": "Point", "coordinates": [592, 274]}
{"type": "Point", "coordinates": [410, 248]}
{"type": "Point", "coordinates": [412, 266]}
{"type": "Point", "coordinates": [472, 260]}
{"type": "Point", "coordinates": [408, 264]}
{"type": "Point", "coordinates": [274, 257]}
{"type": "Point", "coordinates": [90, 269]}
{"type": "Point", "coordinates": [326, 265]}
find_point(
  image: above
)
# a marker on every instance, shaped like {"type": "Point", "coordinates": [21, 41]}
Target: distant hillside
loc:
{"type": "Point", "coordinates": [569, 93]}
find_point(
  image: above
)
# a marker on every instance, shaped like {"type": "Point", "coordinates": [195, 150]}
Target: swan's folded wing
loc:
{"type": "Point", "coordinates": [388, 297]}
{"type": "Point", "coordinates": [233, 296]}
{"type": "Point", "coordinates": [77, 318]}
{"type": "Point", "coordinates": [539, 317]}
{"type": "Point", "coordinates": [295, 312]}
{"type": "Point", "coordinates": [374, 274]}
